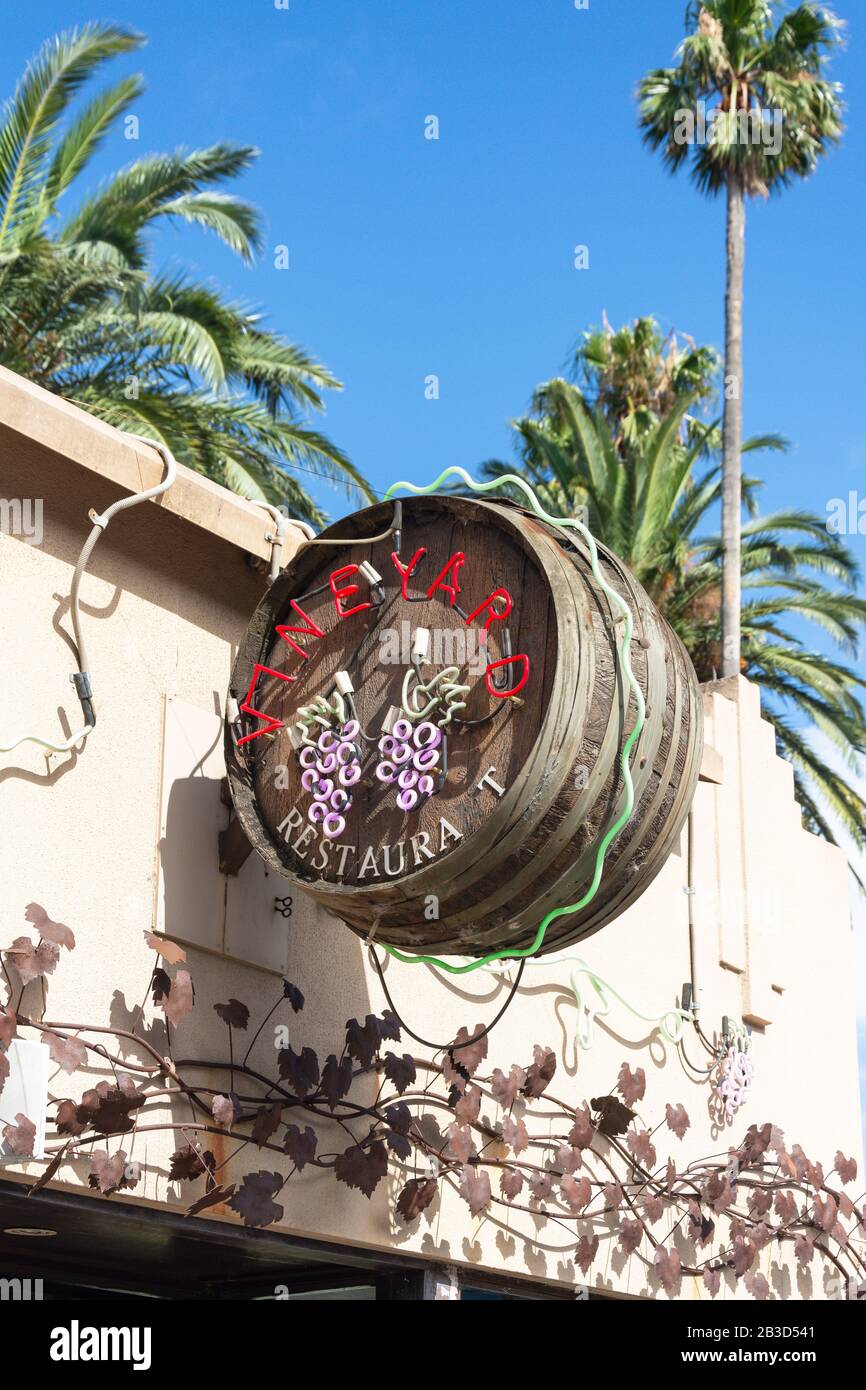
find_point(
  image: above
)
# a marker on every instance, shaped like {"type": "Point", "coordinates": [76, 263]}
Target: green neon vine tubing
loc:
{"type": "Point", "coordinates": [625, 658]}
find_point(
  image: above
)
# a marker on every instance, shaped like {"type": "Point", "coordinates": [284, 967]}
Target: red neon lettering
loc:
{"type": "Point", "coordinates": [488, 603]}
{"type": "Point", "coordinates": [310, 630]}
{"type": "Point", "coordinates": [406, 574]}
{"type": "Point", "coordinates": [506, 660]}
{"type": "Point", "coordinates": [247, 708]}
{"type": "Point", "coordinates": [453, 589]}
{"type": "Point", "coordinates": [346, 591]}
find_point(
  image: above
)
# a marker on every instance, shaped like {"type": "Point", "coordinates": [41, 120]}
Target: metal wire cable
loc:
{"type": "Point", "coordinates": [425, 1042]}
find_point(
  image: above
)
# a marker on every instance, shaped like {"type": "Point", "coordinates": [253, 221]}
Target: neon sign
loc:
{"type": "Point", "coordinates": [344, 590]}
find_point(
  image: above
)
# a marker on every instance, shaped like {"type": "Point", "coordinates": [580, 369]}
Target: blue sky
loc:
{"type": "Point", "coordinates": [454, 257]}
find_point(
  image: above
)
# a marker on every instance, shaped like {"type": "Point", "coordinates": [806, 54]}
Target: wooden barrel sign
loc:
{"type": "Point", "coordinates": [425, 727]}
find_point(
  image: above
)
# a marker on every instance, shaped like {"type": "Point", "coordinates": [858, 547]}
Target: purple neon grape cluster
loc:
{"type": "Point", "coordinates": [409, 756]}
{"type": "Point", "coordinates": [330, 769]}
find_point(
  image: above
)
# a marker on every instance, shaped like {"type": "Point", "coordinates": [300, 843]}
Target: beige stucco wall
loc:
{"type": "Point", "coordinates": [164, 604]}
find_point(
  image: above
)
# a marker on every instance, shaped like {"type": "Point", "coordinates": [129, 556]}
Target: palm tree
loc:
{"type": "Point", "coordinates": [83, 313]}
{"type": "Point", "coordinates": [650, 499]}
{"type": "Point", "coordinates": [772, 114]}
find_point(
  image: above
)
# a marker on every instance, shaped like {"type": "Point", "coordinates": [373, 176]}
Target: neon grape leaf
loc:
{"type": "Point", "coordinates": [582, 1131]}
{"type": "Point", "coordinates": [171, 953]}
{"type": "Point", "coordinates": [58, 932]}
{"type": "Point", "coordinates": [670, 1175]}
{"type": "Point", "coordinates": [511, 1183]}
{"type": "Point", "coordinates": [415, 1198]}
{"type": "Point", "coordinates": [467, 1107]}
{"type": "Point", "coordinates": [337, 1078]}
{"type": "Point", "coordinates": [21, 1136]}
{"type": "Point", "coordinates": [180, 999]}
{"type": "Point", "coordinates": [400, 1071]}
{"type": "Point", "coordinates": [506, 1089]}
{"type": "Point", "coordinates": [615, 1117]}
{"type": "Point", "coordinates": [363, 1168]}
{"type": "Point", "coordinates": [300, 1069]}
{"type": "Point", "coordinates": [514, 1134]}
{"type": "Point", "coordinates": [540, 1074]}
{"type": "Point", "coordinates": [642, 1147]}
{"type": "Point", "coordinates": [294, 996]}
{"type": "Point", "coordinates": [846, 1206]}
{"type": "Point", "coordinates": [68, 1053]}
{"type": "Point", "coordinates": [460, 1143]}
{"type": "Point", "coordinates": [653, 1208]}
{"type": "Point", "coordinates": [234, 1013]}
{"type": "Point", "coordinates": [223, 1110]}
{"type": "Point", "coordinates": [32, 961]}
{"type": "Point", "coordinates": [712, 1280]}
{"type": "Point", "coordinates": [585, 1252]}
{"type": "Point", "coordinates": [254, 1200]}
{"type": "Point", "coordinates": [631, 1084]}
{"type": "Point", "coordinates": [267, 1122]}
{"type": "Point", "coordinates": [300, 1145]}
{"type": "Point", "coordinates": [786, 1207]}
{"type": "Point", "coordinates": [757, 1285]}
{"type": "Point", "coordinates": [630, 1236]}
{"type": "Point", "coordinates": [212, 1199]}
{"type": "Point", "coordinates": [677, 1119]}
{"type": "Point", "coordinates": [475, 1188]}
{"type": "Point", "coordinates": [668, 1268]}
{"type": "Point", "coordinates": [577, 1192]}
{"type": "Point", "coordinates": [7, 1024]}
{"type": "Point", "coordinates": [845, 1167]}
{"type": "Point", "coordinates": [4, 1069]}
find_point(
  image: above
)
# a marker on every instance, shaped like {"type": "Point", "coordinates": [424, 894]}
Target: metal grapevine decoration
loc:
{"type": "Point", "coordinates": [605, 1173]}
{"type": "Point", "coordinates": [462, 723]}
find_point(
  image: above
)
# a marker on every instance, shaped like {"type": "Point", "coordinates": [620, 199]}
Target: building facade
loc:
{"type": "Point", "coordinates": [124, 835]}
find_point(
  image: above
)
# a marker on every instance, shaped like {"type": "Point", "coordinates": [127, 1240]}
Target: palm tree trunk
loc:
{"type": "Point", "coordinates": [732, 427]}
